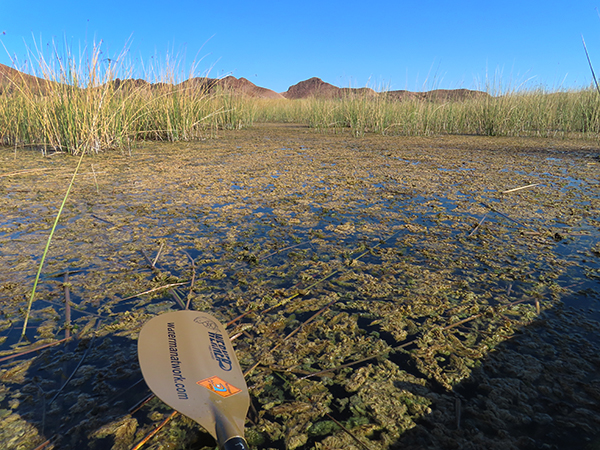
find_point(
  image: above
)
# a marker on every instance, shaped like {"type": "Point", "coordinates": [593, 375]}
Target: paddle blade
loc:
{"type": "Point", "coordinates": [188, 361]}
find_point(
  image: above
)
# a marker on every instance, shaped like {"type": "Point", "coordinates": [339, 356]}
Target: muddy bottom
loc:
{"type": "Point", "coordinates": [382, 292]}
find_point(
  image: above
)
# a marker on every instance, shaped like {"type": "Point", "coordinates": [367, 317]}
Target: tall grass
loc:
{"type": "Point", "coordinates": [82, 106]}
{"type": "Point", "coordinates": [533, 112]}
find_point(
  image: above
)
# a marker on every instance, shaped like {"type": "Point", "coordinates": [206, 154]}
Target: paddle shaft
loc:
{"type": "Point", "coordinates": [236, 443]}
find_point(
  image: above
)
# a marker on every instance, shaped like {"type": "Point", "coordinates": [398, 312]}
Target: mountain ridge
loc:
{"type": "Point", "coordinates": [10, 80]}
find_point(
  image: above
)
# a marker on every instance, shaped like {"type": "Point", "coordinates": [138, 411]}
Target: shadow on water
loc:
{"type": "Point", "coordinates": [538, 390]}
{"type": "Point", "coordinates": [70, 390]}
{"type": "Point", "coordinates": [86, 393]}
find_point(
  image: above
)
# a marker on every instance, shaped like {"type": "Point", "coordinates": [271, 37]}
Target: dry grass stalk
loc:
{"type": "Point", "coordinates": [284, 340]}
{"type": "Point", "coordinates": [503, 215]}
{"type": "Point", "coordinates": [67, 305]}
{"type": "Point", "coordinates": [173, 293]}
{"type": "Point", "coordinates": [135, 408]}
{"type": "Point", "coordinates": [519, 188]}
{"type": "Point", "coordinates": [102, 220]}
{"type": "Point", "coordinates": [478, 225]}
{"type": "Point", "coordinates": [76, 368]}
{"type": "Point", "coordinates": [160, 288]}
{"type": "Point", "coordinates": [457, 411]}
{"type": "Point", "coordinates": [23, 172]}
{"type": "Point", "coordinates": [348, 432]}
{"type": "Point", "coordinates": [36, 349]}
{"type": "Point", "coordinates": [45, 444]}
{"type": "Point", "coordinates": [283, 250]}
{"type": "Point", "coordinates": [95, 180]}
{"type": "Point", "coordinates": [162, 245]}
{"type": "Point", "coordinates": [193, 267]}
{"type": "Point", "coordinates": [154, 431]}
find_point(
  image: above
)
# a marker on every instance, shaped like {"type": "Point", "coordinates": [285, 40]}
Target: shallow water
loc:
{"type": "Point", "coordinates": [384, 233]}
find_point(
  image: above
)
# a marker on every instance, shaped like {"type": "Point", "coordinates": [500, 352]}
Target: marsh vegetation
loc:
{"type": "Point", "coordinates": [94, 103]}
{"type": "Point", "coordinates": [371, 284]}
{"type": "Point", "coordinates": [412, 274]}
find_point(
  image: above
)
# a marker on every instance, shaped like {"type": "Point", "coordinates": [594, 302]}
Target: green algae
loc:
{"type": "Point", "coordinates": [367, 235]}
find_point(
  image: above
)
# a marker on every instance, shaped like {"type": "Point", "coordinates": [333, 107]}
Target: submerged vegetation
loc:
{"type": "Point", "coordinates": [81, 104]}
{"type": "Point", "coordinates": [404, 292]}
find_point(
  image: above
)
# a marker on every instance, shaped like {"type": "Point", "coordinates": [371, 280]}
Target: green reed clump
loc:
{"type": "Point", "coordinates": [538, 113]}
{"type": "Point", "coordinates": [534, 112]}
{"type": "Point", "coordinates": [234, 110]}
{"type": "Point", "coordinates": [83, 106]}
{"type": "Point", "coordinates": [280, 110]}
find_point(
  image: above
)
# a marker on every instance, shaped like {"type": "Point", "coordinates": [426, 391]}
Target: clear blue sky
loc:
{"type": "Point", "coordinates": [413, 45]}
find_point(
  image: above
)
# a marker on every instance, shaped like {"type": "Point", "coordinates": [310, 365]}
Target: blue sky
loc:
{"type": "Point", "coordinates": [415, 45]}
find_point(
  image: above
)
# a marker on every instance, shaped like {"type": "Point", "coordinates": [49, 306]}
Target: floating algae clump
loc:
{"type": "Point", "coordinates": [347, 273]}
{"type": "Point", "coordinates": [380, 397]}
{"type": "Point", "coordinates": [18, 434]}
{"type": "Point", "coordinates": [122, 431]}
{"type": "Point", "coordinates": [323, 427]}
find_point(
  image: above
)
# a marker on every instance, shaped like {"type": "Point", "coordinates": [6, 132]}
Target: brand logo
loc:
{"type": "Point", "coordinates": [206, 323]}
{"type": "Point", "coordinates": [219, 386]}
{"type": "Point", "coordinates": [219, 350]}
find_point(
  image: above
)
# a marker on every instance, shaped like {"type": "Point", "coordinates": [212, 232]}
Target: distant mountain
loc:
{"type": "Point", "coordinates": [211, 85]}
{"type": "Point", "coordinates": [439, 95]}
{"type": "Point", "coordinates": [11, 79]}
{"type": "Point", "coordinates": [317, 88]}
{"type": "Point", "coordinates": [314, 87]}
{"type": "Point", "coordinates": [233, 84]}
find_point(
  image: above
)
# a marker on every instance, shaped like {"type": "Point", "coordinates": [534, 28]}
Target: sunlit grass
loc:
{"type": "Point", "coordinates": [82, 106]}
{"type": "Point", "coordinates": [535, 112]}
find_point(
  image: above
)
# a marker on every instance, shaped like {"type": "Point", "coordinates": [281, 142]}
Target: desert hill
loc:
{"type": "Point", "coordinates": [233, 84]}
{"type": "Point", "coordinates": [11, 78]}
{"type": "Point", "coordinates": [314, 87]}
{"type": "Point", "coordinates": [229, 83]}
{"type": "Point", "coordinates": [439, 95]}
{"type": "Point", "coordinates": [317, 88]}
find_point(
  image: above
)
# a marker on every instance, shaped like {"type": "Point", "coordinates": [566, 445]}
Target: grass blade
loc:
{"type": "Point", "coordinates": [39, 272]}
{"type": "Point", "coordinates": [590, 63]}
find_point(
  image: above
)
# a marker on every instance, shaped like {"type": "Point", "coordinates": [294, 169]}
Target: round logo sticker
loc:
{"type": "Point", "coordinates": [206, 323]}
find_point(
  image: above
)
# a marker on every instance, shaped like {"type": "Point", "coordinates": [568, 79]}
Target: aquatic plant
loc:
{"type": "Point", "coordinates": [92, 103]}
{"type": "Point", "coordinates": [79, 103]}
{"type": "Point", "coordinates": [512, 112]}
{"type": "Point", "coordinates": [363, 294]}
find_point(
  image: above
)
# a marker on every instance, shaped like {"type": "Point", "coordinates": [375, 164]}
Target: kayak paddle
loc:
{"type": "Point", "coordinates": [188, 361]}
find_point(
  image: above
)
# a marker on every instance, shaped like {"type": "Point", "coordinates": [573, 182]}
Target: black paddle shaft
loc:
{"type": "Point", "coordinates": [236, 443]}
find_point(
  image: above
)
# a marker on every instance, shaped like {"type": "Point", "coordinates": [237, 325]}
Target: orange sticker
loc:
{"type": "Point", "coordinates": [218, 386]}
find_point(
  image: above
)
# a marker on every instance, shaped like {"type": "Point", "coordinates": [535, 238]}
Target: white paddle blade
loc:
{"type": "Point", "coordinates": [188, 361]}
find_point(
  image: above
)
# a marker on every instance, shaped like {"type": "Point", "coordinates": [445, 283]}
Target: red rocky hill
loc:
{"type": "Point", "coordinates": [11, 80]}
{"type": "Point", "coordinates": [317, 88]}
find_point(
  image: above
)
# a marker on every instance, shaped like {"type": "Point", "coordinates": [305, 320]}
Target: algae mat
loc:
{"type": "Point", "coordinates": [381, 292]}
